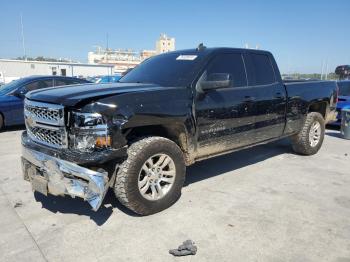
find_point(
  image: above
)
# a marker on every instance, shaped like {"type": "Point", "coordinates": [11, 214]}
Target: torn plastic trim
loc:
{"type": "Point", "coordinates": [66, 178]}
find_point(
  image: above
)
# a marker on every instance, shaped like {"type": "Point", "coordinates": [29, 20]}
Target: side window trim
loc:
{"type": "Point", "coordinates": [273, 70]}
{"type": "Point", "coordinates": [245, 69]}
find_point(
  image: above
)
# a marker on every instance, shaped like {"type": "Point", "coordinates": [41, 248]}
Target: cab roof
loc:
{"type": "Point", "coordinates": [209, 50]}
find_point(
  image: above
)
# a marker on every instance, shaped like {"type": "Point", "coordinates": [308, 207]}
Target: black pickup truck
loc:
{"type": "Point", "coordinates": [137, 136]}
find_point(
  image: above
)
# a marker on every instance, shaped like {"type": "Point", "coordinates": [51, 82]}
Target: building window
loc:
{"type": "Point", "coordinates": [32, 66]}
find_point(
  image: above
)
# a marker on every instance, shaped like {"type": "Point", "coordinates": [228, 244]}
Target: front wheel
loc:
{"type": "Point", "coordinates": [151, 178]}
{"type": "Point", "coordinates": [309, 140]}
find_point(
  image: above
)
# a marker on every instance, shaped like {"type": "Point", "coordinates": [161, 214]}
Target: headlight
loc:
{"type": "Point", "coordinates": [89, 132]}
{"type": "Point", "coordinates": [87, 120]}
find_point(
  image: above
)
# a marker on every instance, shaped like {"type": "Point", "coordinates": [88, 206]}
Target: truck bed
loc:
{"type": "Point", "coordinates": [301, 94]}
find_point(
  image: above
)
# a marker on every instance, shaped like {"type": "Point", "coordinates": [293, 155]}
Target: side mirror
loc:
{"type": "Point", "coordinates": [215, 81]}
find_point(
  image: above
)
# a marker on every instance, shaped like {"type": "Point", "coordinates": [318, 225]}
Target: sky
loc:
{"type": "Point", "coordinates": [302, 35]}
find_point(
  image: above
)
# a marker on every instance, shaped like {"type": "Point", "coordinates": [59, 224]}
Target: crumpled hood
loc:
{"type": "Point", "coordinates": [72, 95]}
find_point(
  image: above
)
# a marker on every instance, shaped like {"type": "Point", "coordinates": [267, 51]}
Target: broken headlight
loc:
{"type": "Point", "coordinates": [89, 132]}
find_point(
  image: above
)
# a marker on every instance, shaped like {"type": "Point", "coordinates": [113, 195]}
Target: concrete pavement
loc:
{"type": "Point", "coordinates": [259, 204]}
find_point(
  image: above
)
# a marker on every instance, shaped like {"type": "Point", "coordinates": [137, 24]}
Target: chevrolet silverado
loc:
{"type": "Point", "coordinates": [138, 135]}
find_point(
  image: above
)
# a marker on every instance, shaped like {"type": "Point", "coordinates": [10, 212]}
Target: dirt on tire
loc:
{"type": "Point", "coordinates": [126, 185]}
{"type": "Point", "coordinates": [301, 142]}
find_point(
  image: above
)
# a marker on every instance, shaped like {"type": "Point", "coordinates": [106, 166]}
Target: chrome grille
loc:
{"type": "Point", "coordinates": [44, 113]}
{"type": "Point", "coordinates": [48, 137]}
{"type": "Point", "coordinates": [45, 123]}
{"type": "Point", "coordinates": [50, 115]}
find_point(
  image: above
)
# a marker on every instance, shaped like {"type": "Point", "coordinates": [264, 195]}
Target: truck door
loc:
{"type": "Point", "coordinates": [269, 95]}
{"type": "Point", "coordinates": [225, 117]}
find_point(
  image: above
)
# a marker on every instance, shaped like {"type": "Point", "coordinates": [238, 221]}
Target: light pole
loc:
{"type": "Point", "coordinates": [24, 48]}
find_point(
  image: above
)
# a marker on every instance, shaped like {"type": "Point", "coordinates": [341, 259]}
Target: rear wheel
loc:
{"type": "Point", "coordinates": [310, 138]}
{"type": "Point", "coordinates": [151, 178]}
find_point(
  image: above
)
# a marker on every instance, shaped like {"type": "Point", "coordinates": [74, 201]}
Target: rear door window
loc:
{"type": "Point", "coordinates": [259, 69]}
{"type": "Point", "coordinates": [230, 63]}
{"type": "Point", "coordinates": [64, 82]}
{"type": "Point", "coordinates": [47, 83]}
{"type": "Point", "coordinates": [39, 85]}
{"type": "Point", "coordinates": [78, 81]}
{"type": "Point", "coordinates": [60, 82]}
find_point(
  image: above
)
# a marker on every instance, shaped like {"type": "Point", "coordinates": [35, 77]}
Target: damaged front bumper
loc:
{"type": "Point", "coordinates": [48, 174]}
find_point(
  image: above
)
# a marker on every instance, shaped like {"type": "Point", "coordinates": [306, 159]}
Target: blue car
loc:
{"type": "Point", "coordinates": [107, 79]}
{"type": "Point", "coordinates": [343, 99]}
{"type": "Point", "coordinates": [13, 93]}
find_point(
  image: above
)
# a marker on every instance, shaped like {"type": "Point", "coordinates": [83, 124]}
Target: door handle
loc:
{"type": "Point", "coordinates": [249, 99]}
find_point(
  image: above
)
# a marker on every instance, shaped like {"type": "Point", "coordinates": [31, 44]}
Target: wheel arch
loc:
{"type": "Point", "coordinates": [174, 132]}
{"type": "Point", "coordinates": [321, 107]}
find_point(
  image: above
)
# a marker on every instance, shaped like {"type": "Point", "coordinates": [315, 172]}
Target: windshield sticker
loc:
{"type": "Point", "coordinates": [186, 57]}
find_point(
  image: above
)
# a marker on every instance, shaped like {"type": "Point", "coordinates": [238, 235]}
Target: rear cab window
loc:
{"type": "Point", "coordinates": [259, 69]}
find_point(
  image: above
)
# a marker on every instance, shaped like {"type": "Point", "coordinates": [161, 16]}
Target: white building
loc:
{"type": "Point", "coordinates": [127, 58]}
{"type": "Point", "coordinates": [121, 59]}
{"type": "Point", "coordinates": [13, 69]}
{"type": "Point", "coordinates": [165, 44]}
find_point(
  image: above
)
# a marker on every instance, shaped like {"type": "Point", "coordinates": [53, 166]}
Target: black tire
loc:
{"type": "Point", "coordinates": [126, 185]}
{"type": "Point", "coordinates": [2, 122]}
{"type": "Point", "coordinates": [301, 142]}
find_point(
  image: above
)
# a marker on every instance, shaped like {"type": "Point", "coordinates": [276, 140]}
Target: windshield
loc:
{"type": "Point", "coordinates": [172, 69]}
{"type": "Point", "coordinates": [5, 89]}
{"type": "Point", "coordinates": [344, 88]}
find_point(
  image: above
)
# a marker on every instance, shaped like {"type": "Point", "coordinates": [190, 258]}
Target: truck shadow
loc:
{"type": "Point", "coordinates": [219, 165]}
{"type": "Point", "coordinates": [334, 134]}
{"type": "Point", "coordinates": [198, 172]}
{"type": "Point", "coordinates": [67, 205]}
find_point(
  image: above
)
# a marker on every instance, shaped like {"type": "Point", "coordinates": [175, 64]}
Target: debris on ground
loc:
{"type": "Point", "coordinates": [187, 248]}
{"type": "Point", "coordinates": [18, 204]}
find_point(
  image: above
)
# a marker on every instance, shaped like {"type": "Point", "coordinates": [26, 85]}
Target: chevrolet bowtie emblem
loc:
{"type": "Point", "coordinates": [30, 121]}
